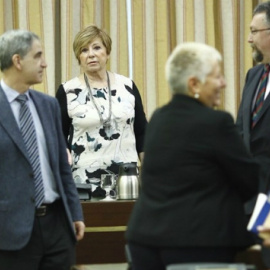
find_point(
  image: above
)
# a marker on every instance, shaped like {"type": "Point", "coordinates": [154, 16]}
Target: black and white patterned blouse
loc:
{"type": "Point", "coordinates": [95, 149]}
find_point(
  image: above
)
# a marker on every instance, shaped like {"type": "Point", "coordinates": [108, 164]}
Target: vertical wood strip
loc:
{"type": "Point", "coordinates": [123, 38]}
{"type": "Point", "coordinates": [7, 15]}
{"type": "Point", "coordinates": [149, 89]}
{"type": "Point", "coordinates": [162, 51]}
{"type": "Point", "coordinates": [34, 21]}
{"type": "Point", "coordinates": [114, 36]}
{"type": "Point", "coordinates": [171, 36]}
{"type": "Point", "coordinates": [229, 28]}
{"type": "Point", "coordinates": [199, 21]}
{"type": "Point", "coordinates": [139, 43]}
{"type": "Point", "coordinates": [210, 23]}
{"type": "Point", "coordinates": [88, 13]}
{"type": "Point", "coordinates": [179, 14]}
{"type": "Point", "coordinates": [189, 20]}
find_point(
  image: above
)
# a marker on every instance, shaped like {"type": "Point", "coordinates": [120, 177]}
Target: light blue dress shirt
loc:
{"type": "Point", "coordinates": [50, 189]}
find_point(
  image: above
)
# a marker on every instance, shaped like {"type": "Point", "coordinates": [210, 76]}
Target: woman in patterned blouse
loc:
{"type": "Point", "coordinates": [102, 113]}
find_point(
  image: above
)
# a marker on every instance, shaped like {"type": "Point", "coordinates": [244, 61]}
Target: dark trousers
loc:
{"type": "Point", "coordinates": [51, 246]}
{"type": "Point", "coordinates": [149, 258]}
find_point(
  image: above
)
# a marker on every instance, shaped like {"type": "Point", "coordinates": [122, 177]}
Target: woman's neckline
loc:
{"type": "Point", "coordinates": [95, 85]}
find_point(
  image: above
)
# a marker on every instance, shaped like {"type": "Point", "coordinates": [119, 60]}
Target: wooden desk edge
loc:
{"type": "Point", "coordinates": [106, 229]}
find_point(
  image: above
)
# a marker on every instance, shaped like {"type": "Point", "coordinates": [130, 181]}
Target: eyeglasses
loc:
{"type": "Point", "coordinates": [254, 32]}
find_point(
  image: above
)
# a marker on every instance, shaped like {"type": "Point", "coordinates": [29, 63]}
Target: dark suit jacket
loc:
{"type": "Point", "coordinates": [258, 139]}
{"type": "Point", "coordinates": [196, 176]}
{"type": "Point", "coordinates": [17, 207]}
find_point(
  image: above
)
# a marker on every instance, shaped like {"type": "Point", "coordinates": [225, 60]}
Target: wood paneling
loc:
{"type": "Point", "coordinates": [104, 239]}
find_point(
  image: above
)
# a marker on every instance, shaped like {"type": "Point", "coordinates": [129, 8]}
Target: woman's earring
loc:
{"type": "Point", "coordinates": [196, 95]}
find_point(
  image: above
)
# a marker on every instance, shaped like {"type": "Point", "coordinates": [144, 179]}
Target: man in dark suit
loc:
{"type": "Point", "coordinates": [40, 213]}
{"type": "Point", "coordinates": [254, 113]}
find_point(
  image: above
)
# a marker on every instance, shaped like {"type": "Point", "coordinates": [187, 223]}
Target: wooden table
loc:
{"type": "Point", "coordinates": [104, 234]}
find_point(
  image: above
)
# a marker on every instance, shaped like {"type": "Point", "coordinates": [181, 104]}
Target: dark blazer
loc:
{"type": "Point", "coordinates": [17, 207]}
{"type": "Point", "coordinates": [196, 176]}
{"type": "Point", "coordinates": [257, 139]}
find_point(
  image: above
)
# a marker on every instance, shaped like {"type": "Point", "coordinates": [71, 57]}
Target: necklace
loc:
{"type": "Point", "coordinates": [106, 123]}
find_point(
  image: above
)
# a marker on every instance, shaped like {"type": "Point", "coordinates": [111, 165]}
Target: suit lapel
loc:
{"type": "Point", "coordinates": [7, 120]}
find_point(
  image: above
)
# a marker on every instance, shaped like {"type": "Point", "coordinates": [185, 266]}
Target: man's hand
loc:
{"type": "Point", "coordinates": [69, 157]}
{"type": "Point", "coordinates": [265, 233]}
{"type": "Point", "coordinates": [79, 229]}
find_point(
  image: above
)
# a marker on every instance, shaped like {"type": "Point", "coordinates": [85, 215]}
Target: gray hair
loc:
{"type": "Point", "coordinates": [263, 8]}
{"type": "Point", "coordinates": [15, 42]}
{"type": "Point", "coordinates": [190, 59]}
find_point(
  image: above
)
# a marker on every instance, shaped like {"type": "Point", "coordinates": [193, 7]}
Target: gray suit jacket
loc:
{"type": "Point", "coordinates": [17, 207]}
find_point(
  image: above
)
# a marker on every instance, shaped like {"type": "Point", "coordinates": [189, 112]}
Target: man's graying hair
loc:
{"type": "Point", "coordinates": [263, 8]}
{"type": "Point", "coordinates": [15, 42]}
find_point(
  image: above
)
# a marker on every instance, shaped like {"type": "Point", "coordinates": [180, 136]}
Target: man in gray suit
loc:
{"type": "Point", "coordinates": [40, 213]}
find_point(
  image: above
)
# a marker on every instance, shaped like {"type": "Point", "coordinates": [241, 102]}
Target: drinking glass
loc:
{"type": "Point", "coordinates": [107, 182]}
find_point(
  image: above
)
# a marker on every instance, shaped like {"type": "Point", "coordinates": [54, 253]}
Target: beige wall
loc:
{"type": "Point", "coordinates": [157, 26]}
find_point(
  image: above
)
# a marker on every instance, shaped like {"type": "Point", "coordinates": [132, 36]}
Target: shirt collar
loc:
{"type": "Point", "coordinates": [10, 92]}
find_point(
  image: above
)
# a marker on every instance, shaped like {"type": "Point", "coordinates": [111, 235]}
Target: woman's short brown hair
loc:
{"type": "Point", "coordinates": [86, 36]}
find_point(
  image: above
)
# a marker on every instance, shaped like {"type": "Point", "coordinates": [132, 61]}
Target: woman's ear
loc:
{"type": "Point", "coordinates": [194, 86]}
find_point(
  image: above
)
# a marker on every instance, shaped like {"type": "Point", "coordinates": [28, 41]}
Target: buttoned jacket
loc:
{"type": "Point", "coordinates": [17, 206]}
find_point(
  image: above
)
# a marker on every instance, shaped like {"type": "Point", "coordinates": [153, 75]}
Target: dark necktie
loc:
{"type": "Point", "coordinates": [260, 96]}
{"type": "Point", "coordinates": [30, 140]}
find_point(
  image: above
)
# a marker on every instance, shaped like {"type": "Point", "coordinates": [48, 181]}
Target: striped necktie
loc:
{"type": "Point", "coordinates": [260, 96]}
{"type": "Point", "coordinates": [30, 140]}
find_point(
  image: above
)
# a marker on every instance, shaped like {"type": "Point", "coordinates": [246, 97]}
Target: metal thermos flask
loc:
{"type": "Point", "coordinates": [128, 182]}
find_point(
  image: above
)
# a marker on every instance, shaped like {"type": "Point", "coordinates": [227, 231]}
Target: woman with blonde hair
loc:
{"type": "Point", "coordinates": [102, 113]}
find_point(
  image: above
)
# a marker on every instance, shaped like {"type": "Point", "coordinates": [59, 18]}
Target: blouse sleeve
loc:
{"type": "Point", "coordinates": [140, 122]}
{"type": "Point", "coordinates": [66, 121]}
